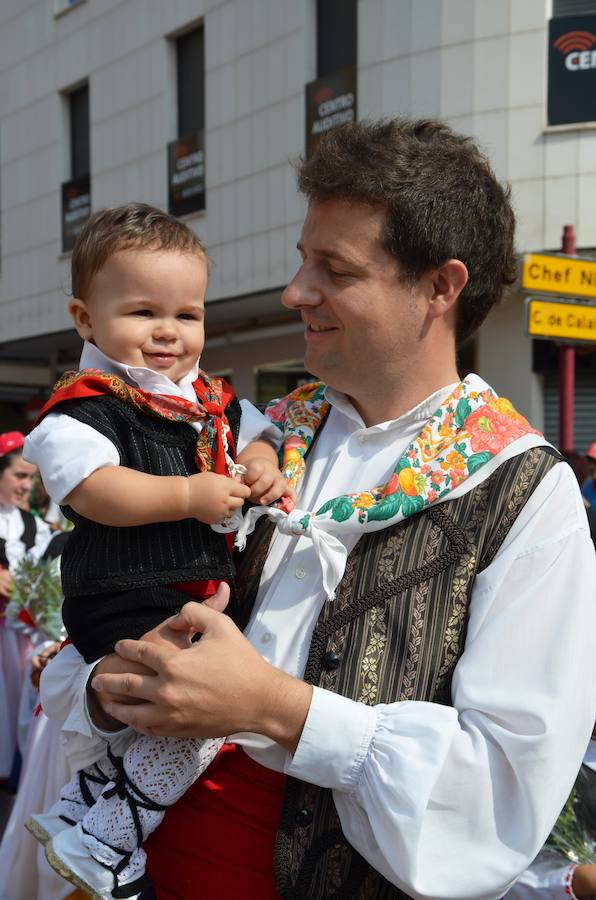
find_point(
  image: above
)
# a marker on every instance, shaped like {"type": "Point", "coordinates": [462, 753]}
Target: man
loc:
{"type": "Point", "coordinates": [589, 481]}
{"type": "Point", "coordinates": [417, 648]}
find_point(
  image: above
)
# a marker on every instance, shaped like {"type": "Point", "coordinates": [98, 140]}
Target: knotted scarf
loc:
{"type": "Point", "coordinates": [473, 429]}
{"type": "Point", "coordinates": [213, 395]}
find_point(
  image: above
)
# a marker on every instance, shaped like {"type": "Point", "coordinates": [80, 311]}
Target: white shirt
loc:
{"type": "Point", "coordinates": [446, 802]}
{"type": "Point", "coordinates": [11, 531]}
{"type": "Point", "coordinates": [67, 451]}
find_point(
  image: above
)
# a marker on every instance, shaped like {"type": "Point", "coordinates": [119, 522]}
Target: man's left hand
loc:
{"type": "Point", "coordinates": [216, 687]}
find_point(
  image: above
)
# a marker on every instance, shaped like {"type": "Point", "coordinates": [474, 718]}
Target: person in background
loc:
{"type": "Point", "coordinates": [24, 871]}
{"type": "Point", "coordinates": [582, 469]}
{"type": "Point", "coordinates": [551, 876]}
{"type": "Point", "coordinates": [589, 481]}
{"type": "Point", "coordinates": [20, 533]}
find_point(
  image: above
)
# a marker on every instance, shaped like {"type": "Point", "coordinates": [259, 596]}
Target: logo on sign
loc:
{"type": "Point", "coordinates": [578, 48]}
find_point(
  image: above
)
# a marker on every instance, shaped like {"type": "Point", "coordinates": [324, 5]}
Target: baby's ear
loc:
{"type": "Point", "coordinates": [82, 320]}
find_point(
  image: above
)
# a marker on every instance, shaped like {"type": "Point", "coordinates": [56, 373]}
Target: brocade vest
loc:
{"type": "Point", "coordinates": [395, 631]}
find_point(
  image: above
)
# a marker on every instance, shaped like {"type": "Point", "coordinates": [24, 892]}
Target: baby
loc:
{"type": "Point", "coordinates": [139, 448]}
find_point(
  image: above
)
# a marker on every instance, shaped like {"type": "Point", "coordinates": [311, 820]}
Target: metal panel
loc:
{"type": "Point", "coordinates": [573, 7]}
{"type": "Point", "coordinates": [585, 409]}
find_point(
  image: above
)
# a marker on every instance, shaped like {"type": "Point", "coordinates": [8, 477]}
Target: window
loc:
{"type": "Point", "coordinates": [573, 8]}
{"type": "Point", "coordinates": [79, 132]}
{"type": "Point", "coordinates": [186, 155]}
{"type": "Point", "coordinates": [337, 29]}
{"type": "Point", "coordinates": [76, 192]}
{"type": "Point", "coordinates": [190, 76]}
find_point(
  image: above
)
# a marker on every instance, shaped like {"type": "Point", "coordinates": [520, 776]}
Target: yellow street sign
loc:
{"type": "Point", "coordinates": [565, 321]}
{"type": "Point", "coordinates": [565, 275]}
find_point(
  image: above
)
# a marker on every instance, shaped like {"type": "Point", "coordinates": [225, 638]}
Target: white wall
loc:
{"type": "Point", "coordinates": [255, 64]}
{"type": "Point", "coordinates": [479, 63]}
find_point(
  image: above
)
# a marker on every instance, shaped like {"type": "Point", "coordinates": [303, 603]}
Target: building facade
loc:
{"type": "Point", "coordinates": [200, 105]}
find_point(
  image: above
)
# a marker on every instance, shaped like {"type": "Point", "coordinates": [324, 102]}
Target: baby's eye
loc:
{"type": "Point", "coordinates": [142, 312]}
{"type": "Point", "coordinates": [190, 316]}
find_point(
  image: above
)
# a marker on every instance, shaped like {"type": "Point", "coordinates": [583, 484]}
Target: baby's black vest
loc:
{"type": "Point", "coordinates": [115, 580]}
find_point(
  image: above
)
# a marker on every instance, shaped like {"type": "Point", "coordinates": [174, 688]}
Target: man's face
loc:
{"type": "Point", "coordinates": [361, 321]}
{"type": "Point", "coordinates": [146, 308]}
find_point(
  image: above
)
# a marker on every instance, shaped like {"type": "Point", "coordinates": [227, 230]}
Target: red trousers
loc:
{"type": "Point", "coordinates": [217, 842]}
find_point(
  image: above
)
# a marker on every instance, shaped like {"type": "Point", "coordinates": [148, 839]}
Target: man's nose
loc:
{"type": "Point", "coordinates": [301, 291]}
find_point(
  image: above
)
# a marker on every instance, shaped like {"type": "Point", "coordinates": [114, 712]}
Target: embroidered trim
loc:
{"type": "Point", "coordinates": [569, 882]}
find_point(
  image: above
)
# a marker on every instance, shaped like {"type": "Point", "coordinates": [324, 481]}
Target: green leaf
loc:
{"type": "Point", "coordinates": [404, 463]}
{"type": "Point", "coordinates": [460, 448]}
{"type": "Point", "coordinates": [411, 505]}
{"type": "Point", "coordinates": [386, 508]}
{"type": "Point", "coordinates": [325, 507]}
{"type": "Point", "coordinates": [342, 509]}
{"type": "Point", "coordinates": [462, 411]}
{"type": "Point", "coordinates": [477, 460]}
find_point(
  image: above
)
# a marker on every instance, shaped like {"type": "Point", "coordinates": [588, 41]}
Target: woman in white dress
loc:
{"type": "Point", "coordinates": [20, 533]}
{"type": "Point", "coordinates": [553, 877]}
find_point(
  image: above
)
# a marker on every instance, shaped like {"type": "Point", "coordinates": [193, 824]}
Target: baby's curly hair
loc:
{"type": "Point", "coordinates": [134, 225]}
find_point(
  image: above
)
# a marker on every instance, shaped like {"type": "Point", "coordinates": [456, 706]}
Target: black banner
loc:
{"type": "Point", "coordinates": [330, 102]}
{"type": "Point", "coordinates": [76, 209]}
{"type": "Point", "coordinates": [572, 70]}
{"type": "Point", "coordinates": [186, 175]}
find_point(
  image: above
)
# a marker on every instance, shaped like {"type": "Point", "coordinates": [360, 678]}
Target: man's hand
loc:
{"type": "Point", "coordinates": [112, 664]}
{"type": "Point", "coordinates": [5, 582]}
{"type": "Point", "coordinates": [212, 498]}
{"type": "Point", "coordinates": [218, 686]}
{"type": "Point", "coordinates": [266, 482]}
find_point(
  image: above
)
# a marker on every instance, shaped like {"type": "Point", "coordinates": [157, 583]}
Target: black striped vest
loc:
{"type": "Point", "coordinates": [97, 558]}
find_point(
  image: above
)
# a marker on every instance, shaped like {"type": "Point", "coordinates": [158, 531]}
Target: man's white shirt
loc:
{"type": "Point", "coordinates": [445, 801]}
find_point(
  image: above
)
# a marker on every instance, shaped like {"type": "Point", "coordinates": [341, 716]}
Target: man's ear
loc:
{"type": "Point", "coordinates": [82, 320]}
{"type": "Point", "coordinates": [448, 281]}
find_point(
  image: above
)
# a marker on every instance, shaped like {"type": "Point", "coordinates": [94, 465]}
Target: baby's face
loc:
{"type": "Point", "coordinates": [146, 308]}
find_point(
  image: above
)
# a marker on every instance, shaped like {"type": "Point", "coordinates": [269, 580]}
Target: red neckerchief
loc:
{"type": "Point", "coordinates": [213, 395]}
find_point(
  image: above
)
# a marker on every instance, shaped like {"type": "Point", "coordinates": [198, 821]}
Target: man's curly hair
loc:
{"type": "Point", "coordinates": [441, 197]}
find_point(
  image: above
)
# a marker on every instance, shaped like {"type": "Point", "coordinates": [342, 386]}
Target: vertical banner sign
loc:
{"type": "Point", "coordinates": [76, 209]}
{"type": "Point", "coordinates": [572, 70]}
{"type": "Point", "coordinates": [186, 175]}
{"type": "Point", "coordinates": [330, 102]}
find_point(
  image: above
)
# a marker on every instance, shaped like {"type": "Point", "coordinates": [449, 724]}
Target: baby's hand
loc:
{"type": "Point", "coordinates": [212, 497]}
{"type": "Point", "coordinates": [266, 482]}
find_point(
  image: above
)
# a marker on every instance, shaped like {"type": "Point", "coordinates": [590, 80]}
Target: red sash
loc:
{"type": "Point", "coordinates": [217, 842]}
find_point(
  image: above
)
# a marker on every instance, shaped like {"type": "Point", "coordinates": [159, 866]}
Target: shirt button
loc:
{"type": "Point", "coordinates": [300, 573]}
{"type": "Point", "coordinates": [303, 817]}
{"type": "Point", "coordinates": [331, 660]}
{"type": "Point", "coordinates": [362, 438]}
{"type": "Point", "coordinates": [266, 637]}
